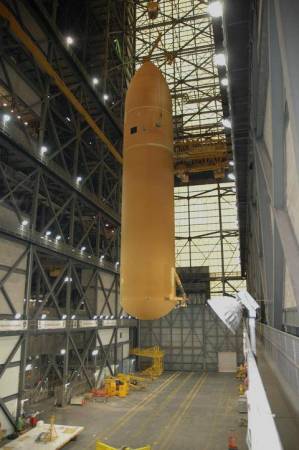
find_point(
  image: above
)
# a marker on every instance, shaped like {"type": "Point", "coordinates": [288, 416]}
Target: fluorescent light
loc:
{"type": "Point", "coordinates": [6, 118]}
{"type": "Point", "coordinates": [220, 59]}
{"type": "Point", "coordinates": [215, 9]}
{"type": "Point", "coordinates": [24, 222]}
{"type": "Point", "coordinates": [58, 237]}
{"type": "Point", "coordinates": [18, 316]}
{"type": "Point", "coordinates": [95, 81]}
{"type": "Point", "coordinates": [69, 40]}
{"type": "Point", "coordinates": [95, 352]}
{"type": "Point", "coordinates": [224, 82]}
{"type": "Point", "coordinates": [73, 317]}
{"type": "Point", "coordinates": [43, 149]}
{"type": "Point", "coordinates": [227, 123]}
{"type": "Point", "coordinates": [111, 317]}
{"type": "Point", "coordinates": [48, 233]}
{"type": "Point", "coordinates": [231, 176]}
{"type": "Point", "coordinates": [63, 351]}
{"type": "Point", "coordinates": [64, 317]}
{"type": "Point", "coordinates": [83, 248]}
{"type": "Point", "coordinates": [79, 179]}
{"type": "Point", "coordinates": [107, 317]}
{"type": "Point", "coordinates": [105, 97]}
{"type": "Point", "coordinates": [101, 317]}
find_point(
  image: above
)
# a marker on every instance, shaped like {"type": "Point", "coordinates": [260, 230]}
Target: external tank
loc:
{"type": "Point", "coordinates": [147, 282]}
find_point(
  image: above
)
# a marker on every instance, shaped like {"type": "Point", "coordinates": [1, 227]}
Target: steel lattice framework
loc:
{"type": "Point", "coordinates": [182, 41]}
{"type": "Point", "coordinates": [60, 189]}
{"type": "Point", "coordinates": [185, 54]}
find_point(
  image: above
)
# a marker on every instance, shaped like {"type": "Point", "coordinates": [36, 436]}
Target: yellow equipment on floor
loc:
{"type": "Point", "coordinates": [133, 381]}
{"type": "Point", "coordinates": [157, 356]}
{"type": "Point", "coordinates": [102, 446]}
{"type": "Point", "coordinates": [115, 386]}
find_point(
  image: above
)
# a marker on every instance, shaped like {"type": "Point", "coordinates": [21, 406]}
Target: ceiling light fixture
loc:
{"type": "Point", "coordinates": [227, 123]}
{"type": "Point", "coordinates": [224, 82]}
{"type": "Point", "coordinates": [220, 59]}
{"type": "Point", "coordinates": [215, 9]}
{"type": "Point", "coordinates": [69, 40]}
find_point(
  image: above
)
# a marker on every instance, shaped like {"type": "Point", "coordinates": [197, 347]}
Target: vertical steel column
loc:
{"type": "Point", "coordinates": [221, 239]}
{"type": "Point", "coordinates": [278, 162]}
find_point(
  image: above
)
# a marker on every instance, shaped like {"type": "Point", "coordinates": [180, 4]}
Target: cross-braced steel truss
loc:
{"type": "Point", "coordinates": [60, 190]}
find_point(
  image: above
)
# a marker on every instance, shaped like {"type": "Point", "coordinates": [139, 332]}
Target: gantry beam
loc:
{"type": "Point", "coordinates": [195, 157]}
{"type": "Point", "coordinates": [43, 63]}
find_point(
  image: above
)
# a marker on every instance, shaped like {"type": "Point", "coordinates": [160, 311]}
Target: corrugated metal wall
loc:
{"type": "Point", "coordinates": [191, 338]}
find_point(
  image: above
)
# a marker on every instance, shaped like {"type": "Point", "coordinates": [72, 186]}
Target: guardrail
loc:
{"type": "Point", "coordinates": [282, 350]}
{"type": "Point", "coordinates": [262, 432]}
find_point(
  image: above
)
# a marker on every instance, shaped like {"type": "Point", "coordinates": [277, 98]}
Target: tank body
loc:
{"type": "Point", "coordinates": [147, 245]}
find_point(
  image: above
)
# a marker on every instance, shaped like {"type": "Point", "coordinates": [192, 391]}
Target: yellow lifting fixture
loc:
{"type": "Point", "coordinates": [116, 386]}
{"type": "Point", "coordinates": [193, 156]}
{"type": "Point", "coordinates": [102, 446]}
{"type": "Point", "coordinates": [157, 356]}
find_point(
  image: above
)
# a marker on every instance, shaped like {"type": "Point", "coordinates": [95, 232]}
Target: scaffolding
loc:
{"type": "Point", "coordinates": [60, 189]}
{"type": "Point", "coordinates": [206, 216]}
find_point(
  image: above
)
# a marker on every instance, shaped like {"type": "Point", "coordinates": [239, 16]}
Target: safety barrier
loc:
{"type": "Point", "coordinates": [282, 352]}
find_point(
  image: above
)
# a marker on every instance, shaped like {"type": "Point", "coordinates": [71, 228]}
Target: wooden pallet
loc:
{"type": "Point", "coordinates": [65, 433]}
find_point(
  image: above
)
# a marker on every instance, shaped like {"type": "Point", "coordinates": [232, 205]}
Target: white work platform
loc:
{"type": "Point", "coordinates": [65, 433]}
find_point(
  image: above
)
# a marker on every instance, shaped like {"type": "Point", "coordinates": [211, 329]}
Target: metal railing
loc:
{"type": "Point", "coordinates": [282, 349]}
{"type": "Point", "coordinates": [261, 432]}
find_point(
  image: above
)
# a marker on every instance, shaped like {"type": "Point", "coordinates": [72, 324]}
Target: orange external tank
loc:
{"type": "Point", "coordinates": [147, 282]}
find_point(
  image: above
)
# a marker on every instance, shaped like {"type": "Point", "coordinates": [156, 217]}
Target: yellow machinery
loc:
{"type": "Point", "coordinates": [115, 386]}
{"type": "Point", "coordinates": [102, 446]}
{"type": "Point", "coordinates": [193, 156]}
{"type": "Point", "coordinates": [132, 381]}
{"type": "Point", "coordinates": [157, 356]}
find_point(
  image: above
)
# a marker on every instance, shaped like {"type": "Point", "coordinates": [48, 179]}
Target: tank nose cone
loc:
{"type": "Point", "coordinates": [148, 87]}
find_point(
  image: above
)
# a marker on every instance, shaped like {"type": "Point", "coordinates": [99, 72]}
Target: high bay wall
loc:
{"type": "Point", "coordinates": [182, 41]}
{"type": "Point", "coordinates": [273, 234]}
{"type": "Point", "coordinates": [61, 324]}
{"type": "Point", "coordinates": [191, 337]}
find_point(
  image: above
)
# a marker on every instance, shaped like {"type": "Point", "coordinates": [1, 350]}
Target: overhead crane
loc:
{"type": "Point", "coordinates": [193, 156]}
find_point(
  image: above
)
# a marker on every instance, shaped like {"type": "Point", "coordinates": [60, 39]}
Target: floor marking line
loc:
{"type": "Point", "coordinates": [162, 405]}
{"type": "Point", "coordinates": [180, 413]}
{"type": "Point", "coordinates": [135, 409]}
{"type": "Point", "coordinates": [141, 405]}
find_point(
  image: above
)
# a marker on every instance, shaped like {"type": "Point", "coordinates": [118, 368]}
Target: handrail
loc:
{"type": "Point", "coordinates": [262, 431]}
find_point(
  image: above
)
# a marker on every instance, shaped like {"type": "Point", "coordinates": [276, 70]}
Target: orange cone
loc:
{"type": "Point", "coordinates": [232, 443]}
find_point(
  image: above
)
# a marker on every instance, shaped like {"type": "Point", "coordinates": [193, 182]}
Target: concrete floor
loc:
{"type": "Point", "coordinates": [179, 411]}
